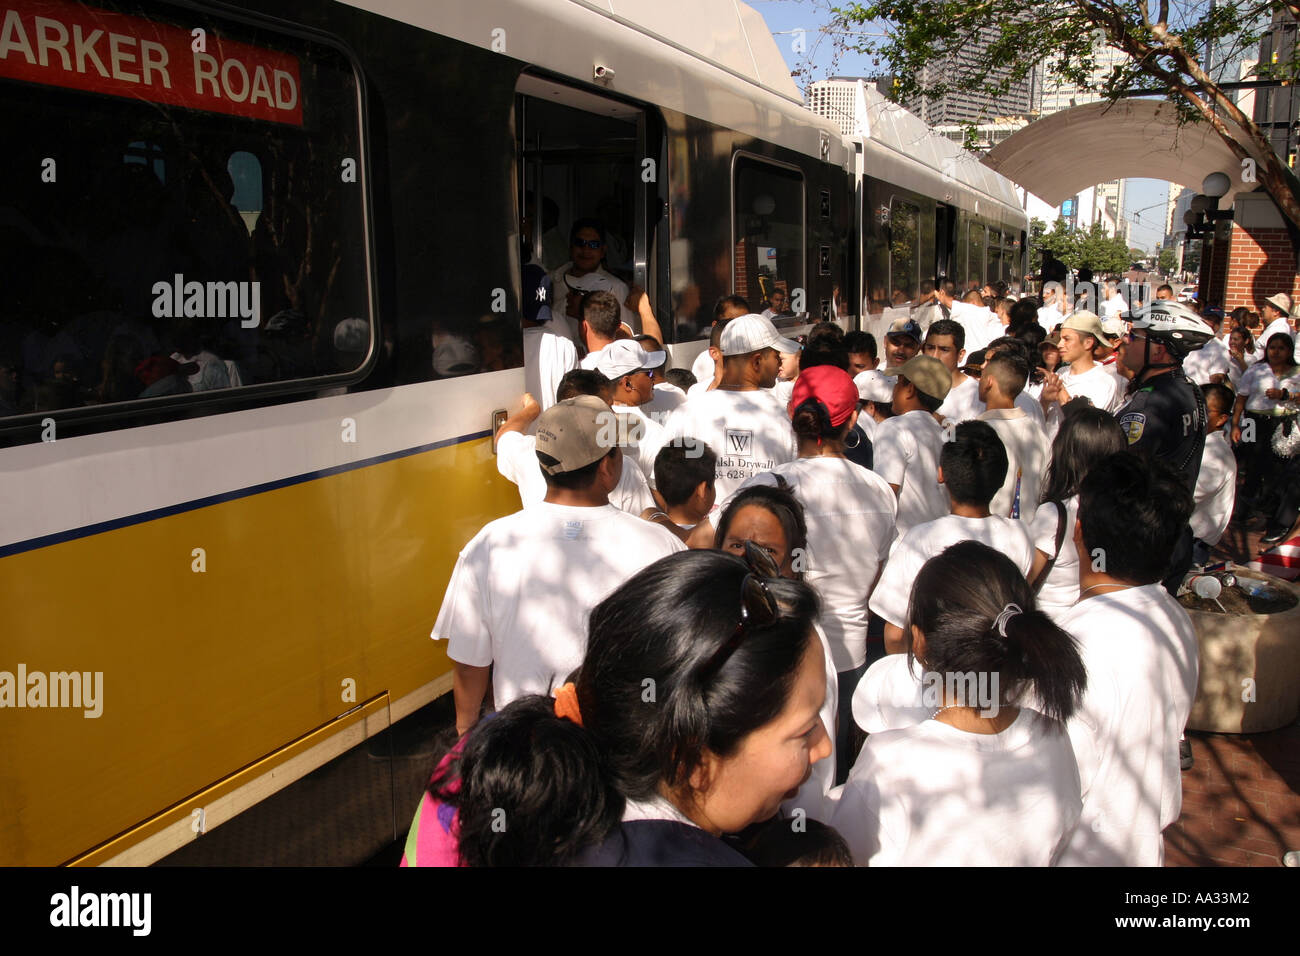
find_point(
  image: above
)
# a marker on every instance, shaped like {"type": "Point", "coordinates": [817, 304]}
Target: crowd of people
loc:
{"type": "Point", "coordinates": [841, 601]}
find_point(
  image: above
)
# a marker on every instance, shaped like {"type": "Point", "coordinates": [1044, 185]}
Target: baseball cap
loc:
{"type": "Point", "coordinates": [874, 385]}
{"type": "Point", "coordinates": [1113, 327]}
{"type": "Point", "coordinates": [753, 333]}
{"type": "Point", "coordinates": [829, 385]}
{"type": "Point", "coordinates": [1089, 324]}
{"type": "Point", "coordinates": [625, 356]}
{"type": "Point", "coordinates": [901, 327]}
{"type": "Point", "coordinates": [929, 375]}
{"type": "Point", "coordinates": [568, 434]}
{"type": "Point", "coordinates": [1282, 301]}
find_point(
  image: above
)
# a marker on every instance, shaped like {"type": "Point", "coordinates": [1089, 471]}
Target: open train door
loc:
{"type": "Point", "coordinates": [945, 225]}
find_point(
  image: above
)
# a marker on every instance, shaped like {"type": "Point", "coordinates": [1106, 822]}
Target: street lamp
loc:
{"type": "Point", "coordinates": [1216, 185]}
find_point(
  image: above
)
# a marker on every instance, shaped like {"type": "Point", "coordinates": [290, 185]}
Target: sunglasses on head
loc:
{"type": "Point", "coordinates": [588, 243]}
{"type": "Point", "coordinates": [758, 605]}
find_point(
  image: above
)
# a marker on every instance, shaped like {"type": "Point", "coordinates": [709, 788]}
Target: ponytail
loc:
{"type": "Point", "coordinates": [811, 420]}
{"type": "Point", "coordinates": [1040, 653]}
{"type": "Point", "coordinates": [530, 789]}
{"type": "Point", "coordinates": [978, 615]}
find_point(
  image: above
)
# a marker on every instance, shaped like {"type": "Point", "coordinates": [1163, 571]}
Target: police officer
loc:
{"type": "Point", "coordinates": [1165, 414]}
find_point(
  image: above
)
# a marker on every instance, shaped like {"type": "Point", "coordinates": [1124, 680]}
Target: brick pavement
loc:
{"type": "Point", "coordinates": [1241, 799]}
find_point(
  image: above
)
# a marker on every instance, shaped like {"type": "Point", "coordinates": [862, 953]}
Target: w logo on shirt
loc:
{"type": "Point", "coordinates": [739, 442]}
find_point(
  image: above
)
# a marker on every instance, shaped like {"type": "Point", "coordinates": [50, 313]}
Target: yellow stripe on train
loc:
{"type": "Point", "coordinates": [303, 590]}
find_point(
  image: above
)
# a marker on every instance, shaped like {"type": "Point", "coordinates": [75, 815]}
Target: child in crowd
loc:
{"type": "Point", "coordinates": [801, 842]}
{"type": "Point", "coordinates": [972, 468]}
{"type": "Point", "coordinates": [984, 781]}
{"type": "Point", "coordinates": [1216, 484]}
{"type": "Point", "coordinates": [1087, 436]}
{"type": "Point", "coordinates": [684, 490]}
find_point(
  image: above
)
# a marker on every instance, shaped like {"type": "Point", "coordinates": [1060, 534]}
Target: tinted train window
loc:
{"type": "Point", "coordinates": [769, 234]}
{"type": "Point", "coordinates": [975, 269]}
{"type": "Point", "coordinates": [904, 252]}
{"type": "Point", "coordinates": [183, 212]}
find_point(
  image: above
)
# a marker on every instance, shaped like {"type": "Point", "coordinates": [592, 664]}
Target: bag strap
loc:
{"type": "Point", "coordinates": [1039, 581]}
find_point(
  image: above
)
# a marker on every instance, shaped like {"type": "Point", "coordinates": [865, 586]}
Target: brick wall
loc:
{"type": "Point", "coordinates": [1261, 263]}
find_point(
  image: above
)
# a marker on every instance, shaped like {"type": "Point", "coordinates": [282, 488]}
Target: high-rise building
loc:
{"type": "Point", "coordinates": [977, 106]}
{"type": "Point", "coordinates": [836, 98]}
{"type": "Point", "coordinates": [1277, 108]}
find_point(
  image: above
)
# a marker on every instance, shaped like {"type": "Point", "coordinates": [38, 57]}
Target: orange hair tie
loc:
{"type": "Point", "coordinates": [566, 704]}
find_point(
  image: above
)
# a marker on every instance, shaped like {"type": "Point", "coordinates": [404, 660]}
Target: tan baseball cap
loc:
{"type": "Point", "coordinates": [1089, 324]}
{"type": "Point", "coordinates": [568, 434]}
{"type": "Point", "coordinates": [929, 375]}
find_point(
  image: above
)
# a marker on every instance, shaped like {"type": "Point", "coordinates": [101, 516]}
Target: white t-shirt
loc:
{"type": "Point", "coordinates": [1097, 385]}
{"type": "Point", "coordinates": [618, 288]}
{"type": "Point", "coordinates": [1277, 325]}
{"type": "Point", "coordinates": [978, 322]}
{"type": "Point", "coordinates": [1061, 589]}
{"type": "Point", "coordinates": [642, 437]}
{"type": "Point", "coordinates": [1140, 651]}
{"type": "Point", "coordinates": [890, 696]}
{"type": "Point", "coordinates": [905, 452]}
{"type": "Point", "coordinates": [547, 357]}
{"type": "Point", "coordinates": [749, 431]}
{"type": "Point", "coordinates": [1258, 379]}
{"type": "Point", "coordinates": [517, 462]}
{"type": "Point", "coordinates": [1027, 456]}
{"type": "Point", "coordinates": [1209, 360]}
{"type": "Point", "coordinates": [962, 402]}
{"type": "Point", "coordinates": [704, 368]}
{"type": "Point", "coordinates": [933, 795]}
{"type": "Point", "coordinates": [924, 541]}
{"type": "Point", "coordinates": [1113, 307]}
{"type": "Point", "coordinates": [666, 398]}
{"type": "Point", "coordinates": [1216, 489]}
{"type": "Point", "coordinates": [812, 793]}
{"type": "Point", "coordinates": [1049, 317]}
{"type": "Point", "coordinates": [850, 513]}
{"type": "Point", "coordinates": [522, 589]}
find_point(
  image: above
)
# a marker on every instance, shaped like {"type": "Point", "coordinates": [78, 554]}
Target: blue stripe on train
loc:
{"type": "Point", "coordinates": [33, 544]}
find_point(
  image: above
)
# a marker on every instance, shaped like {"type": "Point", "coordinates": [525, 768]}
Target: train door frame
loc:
{"type": "Point", "coordinates": [538, 87]}
{"type": "Point", "coordinates": [945, 245]}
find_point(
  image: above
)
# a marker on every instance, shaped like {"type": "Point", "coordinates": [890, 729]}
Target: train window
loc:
{"type": "Point", "coordinates": [975, 267]}
{"type": "Point", "coordinates": [179, 217]}
{"type": "Point", "coordinates": [769, 233]}
{"type": "Point", "coordinates": [904, 252]}
{"type": "Point", "coordinates": [993, 268]}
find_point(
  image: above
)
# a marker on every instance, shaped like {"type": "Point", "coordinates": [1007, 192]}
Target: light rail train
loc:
{"type": "Point", "coordinates": [261, 307]}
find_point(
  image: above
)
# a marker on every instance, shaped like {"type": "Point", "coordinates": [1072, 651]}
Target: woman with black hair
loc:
{"type": "Point", "coordinates": [851, 514]}
{"type": "Point", "coordinates": [694, 713]}
{"type": "Point", "coordinates": [1086, 437]}
{"type": "Point", "coordinates": [985, 780]}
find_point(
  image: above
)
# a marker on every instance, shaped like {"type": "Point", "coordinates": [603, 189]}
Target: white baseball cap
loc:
{"type": "Point", "coordinates": [875, 386]}
{"type": "Point", "coordinates": [753, 333]}
{"type": "Point", "coordinates": [591, 282]}
{"type": "Point", "coordinates": [626, 356]}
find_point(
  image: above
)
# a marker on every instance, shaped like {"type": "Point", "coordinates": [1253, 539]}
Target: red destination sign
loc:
{"type": "Point", "coordinates": [61, 43]}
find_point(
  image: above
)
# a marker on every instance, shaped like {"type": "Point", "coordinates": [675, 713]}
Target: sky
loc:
{"type": "Point", "coordinates": [1145, 199]}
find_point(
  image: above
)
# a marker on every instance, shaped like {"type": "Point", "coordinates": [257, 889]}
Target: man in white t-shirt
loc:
{"type": "Point", "coordinates": [741, 420]}
{"type": "Point", "coordinates": [776, 305]}
{"type": "Point", "coordinates": [1002, 380]}
{"type": "Point", "coordinates": [1080, 375]}
{"type": "Point", "coordinates": [972, 467]}
{"type": "Point", "coordinates": [905, 449]}
{"type": "Point", "coordinates": [626, 367]}
{"type": "Point", "coordinates": [1216, 482]}
{"type": "Point", "coordinates": [1113, 306]}
{"type": "Point", "coordinates": [1140, 651]}
{"type": "Point", "coordinates": [1052, 312]}
{"type": "Point", "coordinates": [946, 342]}
{"type": "Point", "coordinates": [1209, 365]}
{"type": "Point", "coordinates": [600, 326]}
{"type": "Point", "coordinates": [547, 355]}
{"type": "Point", "coordinates": [707, 367]}
{"type": "Point", "coordinates": [1277, 313]}
{"type": "Point", "coordinates": [584, 273]}
{"type": "Point", "coordinates": [516, 606]}
{"type": "Point", "coordinates": [981, 325]}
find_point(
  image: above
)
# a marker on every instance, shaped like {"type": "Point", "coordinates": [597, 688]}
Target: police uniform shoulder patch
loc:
{"type": "Point", "coordinates": [1133, 424]}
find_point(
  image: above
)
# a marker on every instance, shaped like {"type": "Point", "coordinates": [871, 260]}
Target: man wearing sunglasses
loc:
{"type": "Point", "coordinates": [584, 273]}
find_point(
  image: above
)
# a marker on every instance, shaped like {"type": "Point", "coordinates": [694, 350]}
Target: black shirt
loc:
{"type": "Point", "coordinates": [1165, 418]}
